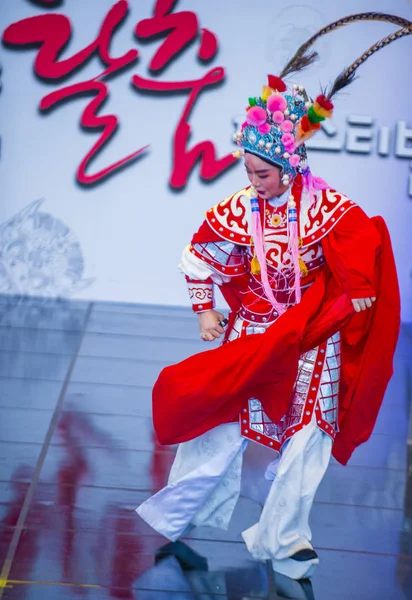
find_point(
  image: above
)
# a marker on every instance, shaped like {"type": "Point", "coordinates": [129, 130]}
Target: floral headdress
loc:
{"type": "Point", "coordinates": [277, 123]}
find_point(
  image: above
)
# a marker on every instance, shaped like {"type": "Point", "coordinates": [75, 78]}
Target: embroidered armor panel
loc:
{"type": "Point", "coordinates": [231, 220]}
{"type": "Point", "coordinates": [316, 389]}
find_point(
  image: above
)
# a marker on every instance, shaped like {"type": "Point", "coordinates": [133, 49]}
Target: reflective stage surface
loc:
{"type": "Point", "coordinates": [78, 455]}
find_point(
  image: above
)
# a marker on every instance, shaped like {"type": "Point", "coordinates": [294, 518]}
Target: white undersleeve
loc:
{"type": "Point", "coordinates": [195, 268]}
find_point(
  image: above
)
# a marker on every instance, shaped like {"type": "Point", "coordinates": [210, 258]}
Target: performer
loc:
{"type": "Point", "coordinates": [302, 264]}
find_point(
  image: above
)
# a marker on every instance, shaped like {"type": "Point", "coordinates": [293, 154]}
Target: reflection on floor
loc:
{"type": "Point", "coordinates": [78, 455]}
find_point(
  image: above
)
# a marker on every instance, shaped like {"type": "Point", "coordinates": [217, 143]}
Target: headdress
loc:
{"type": "Point", "coordinates": [278, 122]}
{"type": "Point", "coordinates": [271, 127]}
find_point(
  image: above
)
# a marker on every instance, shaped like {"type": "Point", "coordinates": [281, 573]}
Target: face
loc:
{"type": "Point", "coordinates": [265, 178]}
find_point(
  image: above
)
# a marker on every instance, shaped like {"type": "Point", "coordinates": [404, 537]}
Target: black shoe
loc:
{"type": "Point", "coordinates": [188, 559]}
{"type": "Point", "coordinates": [306, 554]}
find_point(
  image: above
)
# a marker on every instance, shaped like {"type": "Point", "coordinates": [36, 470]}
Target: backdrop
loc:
{"type": "Point", "coordinates": [116, 132]}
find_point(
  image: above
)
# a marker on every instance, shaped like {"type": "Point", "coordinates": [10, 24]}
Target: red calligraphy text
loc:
{"type": "Point", "coordinates": [91, 120]}
{"type": "Point", "coordinates": [182, 28]}
{"type": "Point", "coordinates": [184, 160]}
{"type": "Point", "coordinates": [52, 33]}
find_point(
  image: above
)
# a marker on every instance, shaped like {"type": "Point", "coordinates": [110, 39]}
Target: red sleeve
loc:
{"type": "Point", "coordinates": [351, 249]}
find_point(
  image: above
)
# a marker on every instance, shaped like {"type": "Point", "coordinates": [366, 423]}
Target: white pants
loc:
{"type": "Point", "coordinates": [205, 483]}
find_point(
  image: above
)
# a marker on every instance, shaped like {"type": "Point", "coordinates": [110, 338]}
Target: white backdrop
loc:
{"type": "Point", "coordinates": [121, 240]}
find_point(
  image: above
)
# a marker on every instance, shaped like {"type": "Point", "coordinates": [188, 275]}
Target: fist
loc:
{"type": "Point", "coordinates": [210, 329]}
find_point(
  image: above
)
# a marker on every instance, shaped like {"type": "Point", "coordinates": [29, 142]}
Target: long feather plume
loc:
{"type": "Point", "coordinates": [298, 63]}
{"type": "Point", "coordinates": [348, 75]}
{"type": "Point", "coordinates": [345, 78]}
{"type": "Point", "coordinates": [302, 59]}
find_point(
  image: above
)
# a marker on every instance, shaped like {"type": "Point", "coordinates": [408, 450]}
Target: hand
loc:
{"type": "Point", "coordinates": [210, 329]}
{"type": "Point", "coordinates": [360, 304]}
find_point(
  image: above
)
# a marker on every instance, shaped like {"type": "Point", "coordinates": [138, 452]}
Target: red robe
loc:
{"type": "Point", "coordinates": [211, 387]}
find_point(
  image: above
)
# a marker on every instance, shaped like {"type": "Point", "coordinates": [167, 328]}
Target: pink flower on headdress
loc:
{"type": "Point", "coordinates": [287, 138]}
{"type": "Point", "coordinates": [294, 160]}
{"type": "Point", "coordinates": [278, 117]}
{"type": "Point", "coordinates": [244, 124]}
{"type": "Point", "coordinates": [289, 142]}
{"type": "Point", "coordinates": [287, 126]}
{"type": "Point", "coordinates": [263, 129]}
{"type": "Point", "coordinates": [276, 102]}
{"type": "Point", "coordinates": [256, 116]}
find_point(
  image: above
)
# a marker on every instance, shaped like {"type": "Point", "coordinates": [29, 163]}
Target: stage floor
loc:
{"type": "Point", "coordinates": [78, 456]}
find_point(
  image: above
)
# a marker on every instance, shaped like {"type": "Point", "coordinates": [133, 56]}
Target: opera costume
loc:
{"type": "Point", "coordinates": [299, 371]}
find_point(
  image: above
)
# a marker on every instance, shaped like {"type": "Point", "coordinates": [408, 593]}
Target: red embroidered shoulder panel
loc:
{"type": "Point", "coordinates": [323, 216]}
{"type": "Point", "coordinates": [230, 218]}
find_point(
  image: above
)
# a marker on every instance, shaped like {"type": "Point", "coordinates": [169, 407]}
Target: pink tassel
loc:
{"type": "Point", "coordinates": [294, 247]}
{"type": "Point", "coordinates": [312, 184]}
{"type": "Point", "coordinates": [257, 233]}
